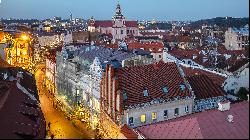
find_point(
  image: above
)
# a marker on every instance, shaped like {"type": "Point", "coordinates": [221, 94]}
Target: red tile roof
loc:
{"type": "Point", "coordinates": [4, 64]}
{"type": "Point", "coordinates": [217, 79]}
{"type": "Point", "coordinates": [223, 50]}
{"type": "Point", "coordinates": [211, 124]}
{"type": "Point", "coordinates": [204, 87]}
{"type": "Point", "coordinates": [128, 132]}
{"type": "Point", "coordinates": [109, 23]}
{"type": "Point", "coordinates": [238, 65]}
{"type": "Point", "coordinates": [153, 77]}
{"type": "Point", "coordinates": [103, 23]}
{"type": "Point", "coordinates": [184, 54]}
{"type": "Point", "coordinates": [155, 47]}
{"type": "Point", "coordinates": [16, 108]}
{"type": "Point", "coordinates": [131, 24]}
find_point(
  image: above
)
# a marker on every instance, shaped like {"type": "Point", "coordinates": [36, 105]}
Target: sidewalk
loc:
{"type": "Point", "coordinates": [83, 127]}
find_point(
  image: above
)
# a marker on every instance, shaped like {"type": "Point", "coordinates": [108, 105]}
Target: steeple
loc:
{"type": "Point", "coordinates": [118, 13]}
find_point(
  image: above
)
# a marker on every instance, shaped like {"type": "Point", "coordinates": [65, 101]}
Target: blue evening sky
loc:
{"type": "Point", "coordinates": [132, 9]}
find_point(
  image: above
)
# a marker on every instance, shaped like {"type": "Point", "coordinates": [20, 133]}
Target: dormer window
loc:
{"type": "Point", "coordinates": [145, 93]}
{"type": "Point", "coordinates": [165, 90]}
{"type": "Point", "coordinates": [125, 97]}
{"type": "Point", "coordinates": [182, 87]}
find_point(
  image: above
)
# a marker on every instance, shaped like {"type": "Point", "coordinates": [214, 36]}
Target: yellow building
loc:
{"type": "Point", "coordinates": [19, 54]}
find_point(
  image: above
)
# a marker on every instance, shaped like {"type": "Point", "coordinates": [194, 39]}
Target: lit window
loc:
{"type": "Point", "coordinates": [154, 116]}
{"type": "Point", "coordinates": [182, 87]}
{"type": "Point", "coordinates": [165, 113]}
{"type": "Point", "coordinates": [176, 111]}
{"type": "Point", "coordinates": [186, 109]}
{"type": "Point", "coordinates": [165, 90]}
{"type": "Point", "coordinates": [131, 120]}
{"type": "Point", "coordinates": [145, 93]}
{"type": "Point", "coordinates": [143, 118]}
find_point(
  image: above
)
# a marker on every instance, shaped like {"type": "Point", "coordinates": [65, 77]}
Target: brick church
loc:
{"type": "Point", "coordinates": [118, 27]}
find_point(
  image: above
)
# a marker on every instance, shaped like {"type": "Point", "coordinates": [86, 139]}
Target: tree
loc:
{"type": "Point", "coordinates": [242, 93]}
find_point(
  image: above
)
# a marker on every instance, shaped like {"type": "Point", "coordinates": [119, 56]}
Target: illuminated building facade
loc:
{"type": "Point", "coordinates": [20, 53]}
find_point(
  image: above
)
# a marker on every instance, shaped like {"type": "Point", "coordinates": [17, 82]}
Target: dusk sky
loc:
{"type": "Point", "coordinates": [132, 9]}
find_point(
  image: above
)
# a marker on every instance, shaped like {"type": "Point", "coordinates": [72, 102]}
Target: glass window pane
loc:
{"type": "Point", "coordinates": [143, 118]}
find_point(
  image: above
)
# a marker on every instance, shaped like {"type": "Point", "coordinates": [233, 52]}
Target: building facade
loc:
{"type": "Point", "coordinates": [20, 52]}
{"type": "Point", "coordinates": [237, 39]}
{"type": "Point", "coordinates": [142, 95]}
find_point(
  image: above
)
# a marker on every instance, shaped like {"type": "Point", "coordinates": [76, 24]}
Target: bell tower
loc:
{"type": "Point", "coordinates": [119, 28]}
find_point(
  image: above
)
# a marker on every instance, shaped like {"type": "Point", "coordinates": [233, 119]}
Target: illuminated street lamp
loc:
{"type": "Point", "coordinates": [24, 37]}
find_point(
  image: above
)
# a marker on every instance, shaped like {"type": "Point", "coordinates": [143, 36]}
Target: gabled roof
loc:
{"type": "Point", "coordinates": [204, 87]}
{"type": "Point", "coordinates": [153, 77]}
{"type": "Point", "coordinates": [211, 124]}
{"type": "Point", "coordinates": [217, 79]}
{"type": "Point", "coordinates": [128, 132]}
{"type": "Point", "coordinates": [17, 108]}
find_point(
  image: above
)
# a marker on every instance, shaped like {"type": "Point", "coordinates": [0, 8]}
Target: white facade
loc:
{"type": "Point", "coordinates": [206, 104]}
{"type": "Point", "coordinates": [237, 39]}
{"type": "Point", "coordinates": [50, 40]}
{"type": "Point", "coordinates": [157, 112]}
{"type": "Point", "coordinates": [237, 80]}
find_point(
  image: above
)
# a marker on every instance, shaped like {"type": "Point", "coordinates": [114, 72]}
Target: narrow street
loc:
{"type": "Point", "coordinates": [60, 126]}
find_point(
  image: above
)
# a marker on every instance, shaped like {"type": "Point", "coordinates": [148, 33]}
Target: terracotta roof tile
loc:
{"type": "Point", "coordinates": [204, 87]}
{"type": "Point", "coordinates": [128, 132]}
{"type": "Point", "coordinates": [153, 77]}
{"type": "Point", "coordinates": [211, 124]}
{"type": "Point", "coordinates": [217, 79]}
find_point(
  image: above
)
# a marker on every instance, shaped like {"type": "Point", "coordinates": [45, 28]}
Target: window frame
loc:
{"type": "Point", "coordinates": [164, 112]}
{"type": "Point", "coordinates": [145, 92]}
{"type": "Point", "coordinates": [129, 120]}
{"type": "Point", "coordinates": [144, 118]}
{"type": "Point", "coordinates": [154, 116]}
{"type": "Point", "coordinates": [176, 114]}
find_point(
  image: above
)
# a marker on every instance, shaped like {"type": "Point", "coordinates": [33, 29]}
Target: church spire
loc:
{"type": "Point", "coordinates": [118, 13]}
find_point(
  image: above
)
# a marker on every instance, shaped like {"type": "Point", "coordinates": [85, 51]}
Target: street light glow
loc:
{"type": "Point", "coordinates": [24, 37]}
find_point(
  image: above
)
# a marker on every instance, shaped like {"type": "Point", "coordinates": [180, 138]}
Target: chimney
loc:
{"type": "Point", "coordinates": [224, 105]}
{"type": "Point", "coordinates": [230, 118]}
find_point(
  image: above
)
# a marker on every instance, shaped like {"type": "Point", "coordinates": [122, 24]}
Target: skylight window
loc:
{"type": "Point", "coordinates": [145, 93]}
{"type": "Point", "coordinates": [182, 87]}
{"type": "Point", "coordinates": [165, 90]}
{"type": "Point", "coordinates": [125, 97]}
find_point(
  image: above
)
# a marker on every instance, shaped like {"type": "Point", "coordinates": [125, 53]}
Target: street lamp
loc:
{"type": "Point", "coordinates": [24, 37]}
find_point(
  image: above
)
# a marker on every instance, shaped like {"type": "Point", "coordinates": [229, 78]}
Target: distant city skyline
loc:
{"type": "Point", "coordinates": [132, 10]}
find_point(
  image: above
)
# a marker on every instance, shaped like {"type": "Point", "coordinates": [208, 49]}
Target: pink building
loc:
{"type": "Point", "coordinates": [118, 27]}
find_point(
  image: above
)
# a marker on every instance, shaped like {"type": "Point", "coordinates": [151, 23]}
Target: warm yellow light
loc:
{"type": "Point", "coordinates": [24, 37]}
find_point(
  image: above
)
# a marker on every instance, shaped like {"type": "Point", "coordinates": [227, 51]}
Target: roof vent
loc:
{"type": "Point", "coordinates": [230, 118]}
{"type": "Point", "coordinates": [223, 106]}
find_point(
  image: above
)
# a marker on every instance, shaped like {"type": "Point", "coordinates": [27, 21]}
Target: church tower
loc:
{"type": "Point", "coordinates": [91, 24]}
{"type": "Point", "coordinates": [119, 28]}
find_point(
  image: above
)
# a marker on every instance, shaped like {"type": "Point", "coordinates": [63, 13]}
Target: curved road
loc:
{"type": "Point", "coordinates": [60, 126]}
